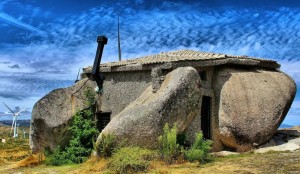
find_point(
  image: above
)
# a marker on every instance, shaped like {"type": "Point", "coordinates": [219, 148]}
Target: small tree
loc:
{"type": "Point", "coordinates": [169, 149]}
{"type": "Point", "coordinates": [199, 150]}
{"type": "Point", "coordinates": [106, 146]}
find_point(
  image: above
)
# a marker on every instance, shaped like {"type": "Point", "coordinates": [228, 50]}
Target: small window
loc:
{"type": "Point", "coordinates": [203, 75]}
{"type": "Point", "coordinates": [103, 118]}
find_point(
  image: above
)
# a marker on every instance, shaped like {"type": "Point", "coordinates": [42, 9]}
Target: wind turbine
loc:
{"type": "Point", "coordinates": [14, 123]}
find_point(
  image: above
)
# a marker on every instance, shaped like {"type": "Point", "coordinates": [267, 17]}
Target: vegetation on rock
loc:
{"type": "Point", "coordinates": [83, 130]}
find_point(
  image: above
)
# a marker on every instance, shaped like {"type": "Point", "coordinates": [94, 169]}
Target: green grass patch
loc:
{"type": "Point", "coordinates": [131, 159]}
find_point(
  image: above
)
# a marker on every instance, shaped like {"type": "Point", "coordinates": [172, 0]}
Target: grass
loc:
{"type": "Point", "coordinates": [17, 159]}
{"type": "Point", "coordinates": [14, 149]}
{"type": "Point", "coordinates": [131, 160]}
{"type": "Point", "coordinates": [273, 162]}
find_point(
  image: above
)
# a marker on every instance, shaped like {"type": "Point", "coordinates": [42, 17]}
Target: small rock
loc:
{"type": "Point", "coordinates": [225, 153]}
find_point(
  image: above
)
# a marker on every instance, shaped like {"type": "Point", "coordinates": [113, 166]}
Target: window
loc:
{"type": "Point", "coordinates": [103, 118]}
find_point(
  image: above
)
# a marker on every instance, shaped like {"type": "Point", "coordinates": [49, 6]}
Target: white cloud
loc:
{"type": "Point", "coordinates": [70, 42]}
{"type": "Point", "coordinates": [18, 23]}
{"type": "Point", "coordinates": [291, 68]}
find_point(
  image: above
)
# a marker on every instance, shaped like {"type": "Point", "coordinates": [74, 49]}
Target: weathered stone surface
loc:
{"type": "Point", "coordinates": [52, 114]}
{"type": "Point", "coordinates": [120, 89]}
{"type": "Point", "coordinates": [252, 103]}
{"type": "Point", "coordinates": [142, 121]}
{"type": "Point", "coordinates": [291, 145]}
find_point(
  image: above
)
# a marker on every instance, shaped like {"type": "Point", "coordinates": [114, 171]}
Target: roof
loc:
{"type": "Point", "coordinates": [187, 56]}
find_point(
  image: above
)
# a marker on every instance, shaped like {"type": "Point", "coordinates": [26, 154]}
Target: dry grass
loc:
{"type": "Point", "coordinates": [191, 168]}
{"type": "Point", "coordinates": [14, 149]}
{"type": "Point", "coordinates": [275, 162]}
{"type": "Point", "coordinates": [93, 165]}
{"type": "Point", "coordinates": [31, 160]}
{"type": "Point", "coordinates": [15, 158]}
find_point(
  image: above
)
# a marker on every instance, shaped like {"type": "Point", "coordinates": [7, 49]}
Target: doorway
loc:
{"type": "Point", "coordinates": [205, 116]}
{"type": "Point", "coordinates": [103, 118]}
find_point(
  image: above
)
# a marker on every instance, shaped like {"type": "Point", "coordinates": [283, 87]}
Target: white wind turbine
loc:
{"type": "Point", "coordinates": [15, 118]}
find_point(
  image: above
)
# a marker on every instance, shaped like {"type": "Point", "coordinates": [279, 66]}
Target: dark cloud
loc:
{"type": "Point", "coordinates": [5, 62]}
{"type": "Point", "coordinates": [15, 96]}
{"type": "Point", "coordinates": [22, 87]}
{"type": "Point", "coordinates": [14, 66]}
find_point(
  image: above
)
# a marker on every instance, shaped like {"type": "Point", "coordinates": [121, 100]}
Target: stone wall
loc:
{"type": "Point", "coordinates": [122, 88]}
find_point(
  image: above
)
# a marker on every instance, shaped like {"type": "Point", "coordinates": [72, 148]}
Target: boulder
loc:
{"type": "Point", "coordinates": [52, 114]}
{"type": "Point", "coordinates": [252, 103]}
{"type": "Point", "coordinates": [176, 101]}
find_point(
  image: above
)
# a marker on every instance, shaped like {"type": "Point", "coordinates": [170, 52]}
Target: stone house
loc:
{"type": "Point", "coordinates": [237, 101]}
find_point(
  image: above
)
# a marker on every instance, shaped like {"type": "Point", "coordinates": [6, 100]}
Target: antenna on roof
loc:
{"type": "Point", "coordinates": [119, 44]}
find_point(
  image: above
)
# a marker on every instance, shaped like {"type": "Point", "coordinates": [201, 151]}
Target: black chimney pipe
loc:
{"type": "Point", "coordinates": [95, 75]}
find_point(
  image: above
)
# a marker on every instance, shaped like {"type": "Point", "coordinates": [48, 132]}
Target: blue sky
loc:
{"type": "Point", "coordinates": [44, 43]}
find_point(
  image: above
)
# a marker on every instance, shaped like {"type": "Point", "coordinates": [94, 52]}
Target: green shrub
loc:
{"type": "Point", "coordinates": [57, 158]}
{"type": "Point", "coordinates": [83, 131]}
{"type": "Point", "coordinates": [106, 146]}
{"type": "Point", "coordinates": [168, 147]}
{"type": "Point", "coordinates": [131, 159]}
{"type": "Point", "coordinates": [199, 150]}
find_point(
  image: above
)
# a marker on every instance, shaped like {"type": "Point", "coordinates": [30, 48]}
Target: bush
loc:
{"type": "Point", "coordinates": [199, 150]}
{"type": "Point", "coordinates": [57, 158]}
{"type": "Point", "coordinates": [106, 146]}
{"type": "Point", "coordinates": [171, 146]}
{"type": "Point", "coordinates": [83, 131]}
{"type": "Point", "coordinates": [131, 159]}
{"type": "Point", "coordinates": [168, 147]}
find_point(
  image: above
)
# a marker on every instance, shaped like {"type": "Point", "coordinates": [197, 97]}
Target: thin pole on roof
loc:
{"type": "Point", "coordinates": [119, 44]}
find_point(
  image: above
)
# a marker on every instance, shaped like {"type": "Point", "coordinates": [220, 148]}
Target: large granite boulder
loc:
{"type": "Point", "coordinates": [252, 104]}
{"type": "Point", "coordinates": [52, 115]}
{"type": "Point", "coordinates": [176, 101]}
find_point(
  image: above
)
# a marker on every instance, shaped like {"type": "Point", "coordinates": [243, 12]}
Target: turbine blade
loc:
{"type": "Point", "coordinates": [20, 112]}
{"type": "Point", "coordinates": [9, 108]}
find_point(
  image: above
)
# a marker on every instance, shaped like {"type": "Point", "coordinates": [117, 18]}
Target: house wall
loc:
{"type": "Point", "coordinates": [122, 88]}
{"type": "Point", "coordinates": [206, 90]}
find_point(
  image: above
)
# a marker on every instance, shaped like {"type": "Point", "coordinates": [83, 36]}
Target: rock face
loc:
{"type": "Point", "coordinates": [176, 101]}
{"type": "Point", "coordinates": [52, 114]}
{"type": "Point", "coordinates": [252, 104]}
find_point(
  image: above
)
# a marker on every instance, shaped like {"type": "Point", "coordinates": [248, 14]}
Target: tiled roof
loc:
{"type": "Point", "coordinates": [176, 56]}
